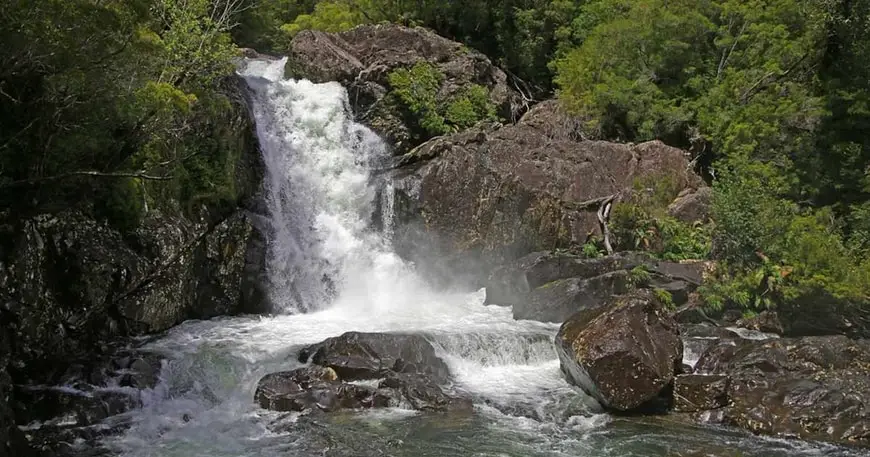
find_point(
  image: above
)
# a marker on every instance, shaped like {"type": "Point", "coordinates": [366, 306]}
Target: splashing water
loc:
{"type": "Point", "coordinates": [330, 272]}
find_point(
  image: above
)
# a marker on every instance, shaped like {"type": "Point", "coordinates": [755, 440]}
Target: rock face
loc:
{"type": "Point", "coordinates": [550, 287]}
{"type": "Point", "coordinates": [488, 196]}
{"type": "Point", "coordinates": [692, 205]}
{"type": "Point", "coordinates": [624, 355]}
{"type": "Point", "coordinates": [811, 388]}
{"type": "Point", "coordinates": [362, 58]}
{"type": "Point", "coordinates": [70, 284]}
{"type": "Point", "coordinates": [395, 370]}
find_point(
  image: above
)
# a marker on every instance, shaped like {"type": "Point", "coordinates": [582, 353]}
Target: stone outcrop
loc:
{"type": "Point", "coordinates": [624, 355]}
{"type": "Point", "coordinates": [487, 196]}
{"type": "Point", "coordinates": [550, 287]}
{"type": "Point", "coordinates": [692, 205]}
{"type": "Point", "coordinates": [810, 388]}
{"type": "Point", "coordinates": [363, 370]}
{"type": "Point", "coordinates": [362, 58]}
{"type": "Point", "coordinates": [71, 284]}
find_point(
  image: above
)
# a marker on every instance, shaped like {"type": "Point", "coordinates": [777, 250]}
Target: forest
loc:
{"type": "Point", "coordinates": [128, 104]}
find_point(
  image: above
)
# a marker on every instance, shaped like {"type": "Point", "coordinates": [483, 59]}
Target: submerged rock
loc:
{"type": "Point", "coordinates": [624, 355]}
{"type": "Point", "coordinates": [314, 387]}
{"type": "Point", "coordinates": [811, 388]}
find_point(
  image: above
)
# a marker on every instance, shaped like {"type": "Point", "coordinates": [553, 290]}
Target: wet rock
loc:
{"type": "Point", "coordinates": [355, 355]}
{"type": "Point", "coordinates": [692, 205]}
{"type": "Point", "coordinates": [423, 394]}
{"type": "Point", "coordinates": [693, 393]}
{"type": "Point", "coordinates": [314, 387]}
{"type": "Point", "coordinates": [489, 196]}
{"type": "Point", "coordinates": [811, 388]}
{"type": "Point", "coordinates": [321, 388]}
{"type": "Point", "coordinates": [362, 58]}
{"type": "Point", "coordinates": [624, 355]}
{"type": "Point", "coordinates": [87, 407]}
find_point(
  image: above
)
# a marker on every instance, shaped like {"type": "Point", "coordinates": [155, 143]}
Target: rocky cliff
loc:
{"type": "Point", "coordinates": [70, 284]}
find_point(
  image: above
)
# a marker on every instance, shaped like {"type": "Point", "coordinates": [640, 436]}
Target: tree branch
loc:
{"type": "Point", "coordinates": [33, 181]}
{"type": "Point", "coordinates": [603, 217]}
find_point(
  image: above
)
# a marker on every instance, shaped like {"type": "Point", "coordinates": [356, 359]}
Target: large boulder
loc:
{"type": "Point", "coordinates": [692, 205]}
{"type": "Point", "coordinates": [811, 388]}
{"type": "Point", "coordinates": [362, 58]}
{"type": "Point", "coordinates": [624, 355]}
{"type": "Point", "coordinates": [550, 287]}
{"type": "Point", "coordinates": [363, 370]}
{"type": "Point", "coordinates": [355, 355]}
{"type": "Point", "coordinates": [488, 196]}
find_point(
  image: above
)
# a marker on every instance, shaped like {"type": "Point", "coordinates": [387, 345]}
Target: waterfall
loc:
{"type": "Point", "coordinates": [332, 272]}
{"type": "Point", "coordinates": [318, 190]}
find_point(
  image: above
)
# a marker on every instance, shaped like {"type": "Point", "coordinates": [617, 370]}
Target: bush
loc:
{"type": "Point", "coordinates": [642, 223]}
{"type": "Point", "coordinates": [416, 90]}
{"type": "Point", "coordinates": [470, 106]}
{"type": "Point", "coordinates": [772, 253]}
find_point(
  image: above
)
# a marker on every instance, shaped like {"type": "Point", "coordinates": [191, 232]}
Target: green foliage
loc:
{"type": "Point", "coordinates": [639, 276]}
{"type": "Point", "coordinates": [115, 88]}
{"type": "Point", "coordinates": [120, 203]}
{"type": "Point", "coordinates": [416, 89]}
{"type": "Point", "coordinates": [592, 250]}
{"type": "Point", "coordinates": [664, 298]}
{"type": "Point", "coordinates": [642, 223]}
{"type": "Point", "coordinates": [469, 107]}
{"type": "Point", "coordinates": [774, 253]}
{"type": "Point", "coordinates": [260, 27]}
{"type": "Point", "coordinates": [328, 16]}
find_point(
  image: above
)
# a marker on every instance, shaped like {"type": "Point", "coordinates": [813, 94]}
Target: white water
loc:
{"type": "Point", "coordinates": [331, 273]}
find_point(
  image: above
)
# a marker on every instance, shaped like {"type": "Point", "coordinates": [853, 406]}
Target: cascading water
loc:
{"type": "Point", "coordinates": [331, 273]}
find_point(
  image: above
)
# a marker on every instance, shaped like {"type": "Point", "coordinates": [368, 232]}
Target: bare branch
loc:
{"type": "Point", "coordinates": [74, 174]}
{"type": "Point", "coordinates": [603, 217]}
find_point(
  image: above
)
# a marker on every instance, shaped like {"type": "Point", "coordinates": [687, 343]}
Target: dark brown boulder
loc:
{"type": "Point", "coordinates": [811, 388]}
{"type": "Point", "coordinates": [403, 369]}
{"type": "Point", "coordinates": [314, 387]}
{"type": "Point", "coordinates": [624, 355]}
{"type": "Point", "coordinates": [422, 394]}
{"type": "Point", "coordinates": [693, 392]}
{"type": "Point", "coordinates": [766, 321]}
{"type": "Point", "coordinates": [355, 355]}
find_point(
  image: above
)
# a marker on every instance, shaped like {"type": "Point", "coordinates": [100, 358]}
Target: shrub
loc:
{"type": "Point", "coordinates": [416, 90]}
